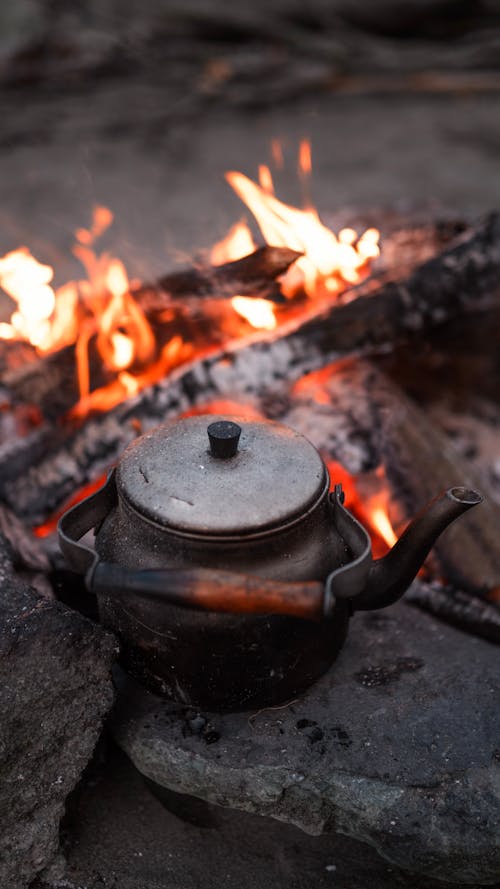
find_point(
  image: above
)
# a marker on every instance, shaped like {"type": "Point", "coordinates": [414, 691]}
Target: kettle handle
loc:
{"type": "Point", "coordinates": [212, 589]}
{"type": "Point", "coordinates": [88, 514]}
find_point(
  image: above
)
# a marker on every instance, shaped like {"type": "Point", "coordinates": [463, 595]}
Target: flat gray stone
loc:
{"type": "Point", "coordinates": [55, 689]}
{"type": "Point", "coordinates": [398, 747]}
{"type": "Point", "coordinates": [118, 835]}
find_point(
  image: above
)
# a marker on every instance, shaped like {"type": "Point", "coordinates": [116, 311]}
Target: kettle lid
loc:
{"type": "Point", "coordinates": [223, 484]}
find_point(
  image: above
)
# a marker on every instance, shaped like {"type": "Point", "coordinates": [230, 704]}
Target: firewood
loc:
{"type": "Point", "coordinates": [26, 554]}
{"type": "Point", "coordinates": [26, 550]}
{"type": "Point", "coordinates": [254, 274]}
{"type": "Point", "coordinates": [457, 608]}
{"type": "Point", "coordinates": [464, 278]}
{"type": "Point", "coordinates": [358, 417]}
{"type": "Point", "coordinates": [50, 381]}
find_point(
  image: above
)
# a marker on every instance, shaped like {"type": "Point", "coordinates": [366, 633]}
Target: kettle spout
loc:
{"type": "Point", "coordinates": [391, 576]}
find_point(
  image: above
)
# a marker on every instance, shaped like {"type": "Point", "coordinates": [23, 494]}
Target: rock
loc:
{"type": "Point", "coordinates": [55, 689]}
{"type": "Point", "coordinates": [118, 835]}
{"type": "Point", "coordinates": [397, 746]}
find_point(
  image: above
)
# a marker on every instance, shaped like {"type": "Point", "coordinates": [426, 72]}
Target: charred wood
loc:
{"type": "Point", "coordinates": [253, 275]}
{"type": "Point", "coordinates": [462, 279]}
{"type": "Point", "coordinates": [26, 550]}
{"type": "Point", "coordinates": [361, 419]}
{"type": "Point", "coordinates": [457, 608]}
{"type": "Point", "coordinates": [50, 382]}
{"type": "Point", "coordinates": [26, 554]}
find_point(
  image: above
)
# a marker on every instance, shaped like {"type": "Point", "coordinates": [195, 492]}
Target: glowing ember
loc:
{"type": "Point", "coordinates": [51, 524]}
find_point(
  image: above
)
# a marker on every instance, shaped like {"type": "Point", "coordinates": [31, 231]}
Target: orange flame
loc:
{"type": "Point", "coordinates": [237, 243]}
{"type": "Point", "coordinates": [305, 160]}
{"type": "Point", "coordinates": [369, 506]}
{"type": "Point", "coordinates": [42, 318]}
{"type": "Point", "coordinates": [380, 521]}
{"type": "Point", "coordinates": [329, 262]}
{"type": "Point", "coordinates": [258, 312]}
{"type": "Point", "coordinates": [266, 179]}
{"type": "Point", "coordinates": [367, 494]}
{"type": "Point", "coordinates": [100, 316]}
{"type": "Point", "coordinates": [277, 154]}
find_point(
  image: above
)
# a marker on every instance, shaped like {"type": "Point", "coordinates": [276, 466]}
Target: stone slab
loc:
{"type": "Point", "coordinates": [55, 690]}
{"type": "Point", "coordinates": [118, 835]}
{"type": "Point", "coordinates": [398, 747]}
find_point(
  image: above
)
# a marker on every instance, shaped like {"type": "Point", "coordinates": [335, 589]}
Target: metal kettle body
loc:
{"type": "Point", "coordinates": [226, 567]}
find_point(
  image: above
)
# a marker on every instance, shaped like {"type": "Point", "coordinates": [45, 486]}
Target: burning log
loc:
{"type": "Point", "coordinates": [253, 275]}
{"type": "Point", "coordinates": [373, 315]}
{"type": "Point", "coordinates": [463, 278]}
{"type": "Point", "coordinates": [363, 420]}
{"type": "Point", "coordinates": [50, 382]}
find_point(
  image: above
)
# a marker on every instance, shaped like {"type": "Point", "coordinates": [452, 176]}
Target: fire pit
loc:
{"type": "Point", "coordinates": [289, 332]}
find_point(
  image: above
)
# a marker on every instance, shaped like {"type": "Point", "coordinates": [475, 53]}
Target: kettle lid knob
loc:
{"type": "Point", "coordinates": [223, 436]}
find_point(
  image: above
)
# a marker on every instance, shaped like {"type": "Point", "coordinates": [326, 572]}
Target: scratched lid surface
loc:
{"type": "Point", "coordinates": [172, 477]}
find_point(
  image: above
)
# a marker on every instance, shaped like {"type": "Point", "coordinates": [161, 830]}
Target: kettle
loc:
{"type": "Point", "coordinates": [225, 565]}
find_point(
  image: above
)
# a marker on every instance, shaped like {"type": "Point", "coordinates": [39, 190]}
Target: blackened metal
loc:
{"type": "Point", "coordinates": [223, 437]}
{"type": "Point", "coordinates": [391, 576]}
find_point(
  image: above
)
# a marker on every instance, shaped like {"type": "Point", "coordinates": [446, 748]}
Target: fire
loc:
{"type": "Point", "coordinates": [99, 311]}
{"type": "Point", "coordinates": [329, 261]}
{"type": "Point", "coordinates": [258, 312]}
{"type": "Point", "coordinates": [237, 243]}
{"type": "Point", "coordinates": [305, 159]}
{"type": "Point", "coordinates": [40, 317]}
{"type": "Point", "coordinates": [277, 154]}
{"type": "Point", "coordinates": [266, 179]}
{"type": "Point", "coordinates": [381, 522]}
{"type": "Point", "coordinates": [101, 318]}
{"type": "Point", "coordinates": [367, 497]}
